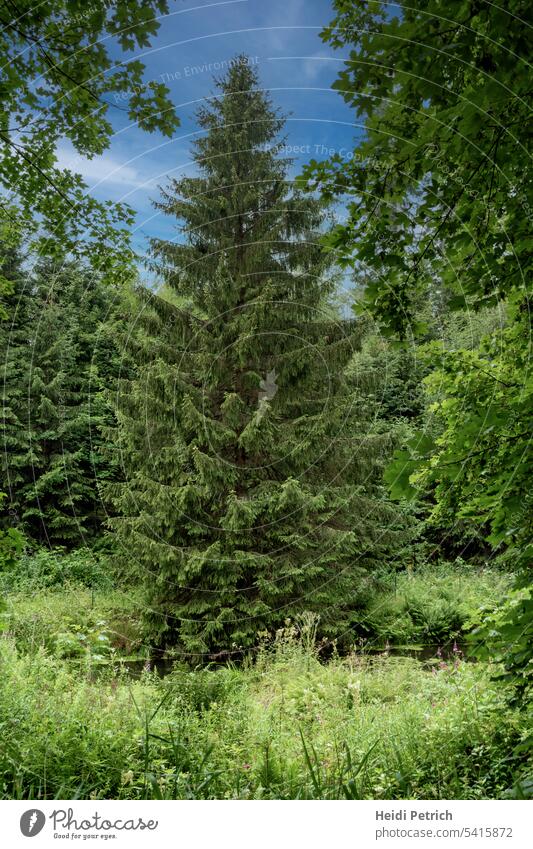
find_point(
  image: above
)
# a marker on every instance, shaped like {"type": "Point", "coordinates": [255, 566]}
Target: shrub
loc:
{"type": "Point", "coordinates": [434, 603]}
{"type": "Point", "coordinates": [12, 542]}
{"type": "Point", "coordinates": [54, 567]}
{"type": "Point", "coordinates": [506, 636]}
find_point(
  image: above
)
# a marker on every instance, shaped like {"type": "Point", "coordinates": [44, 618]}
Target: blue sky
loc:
{"type": "Point", "coordinates": [280, 36]}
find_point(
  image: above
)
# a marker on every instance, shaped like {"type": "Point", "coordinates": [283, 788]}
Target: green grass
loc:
{"type": "Point", "coordinates": [74, 724]}
{"type": "Point", "coordinates": [72, 620]}
{"type": "Point", "coordinates": [431, 605]}
{"type": "Point", "coordinates": [285, 727]}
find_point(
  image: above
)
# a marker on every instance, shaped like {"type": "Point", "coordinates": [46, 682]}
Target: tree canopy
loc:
{"type": "Point", "coordinates": [61, 67]}
{"type": "Point", "coordinates": [439, 210]}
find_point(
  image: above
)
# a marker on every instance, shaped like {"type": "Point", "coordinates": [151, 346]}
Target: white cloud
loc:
{"type": "Point", "coordinates": [314, 65]}
{"type": "Point", "coordinates": [101, 170]}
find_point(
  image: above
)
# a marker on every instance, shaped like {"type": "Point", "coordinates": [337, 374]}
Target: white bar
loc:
{"type": "Point", "coordinates": [271, 824]}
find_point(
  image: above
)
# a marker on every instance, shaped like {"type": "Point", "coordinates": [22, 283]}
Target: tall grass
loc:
{"type": "Point", "coordinates": [283, 725]}
{"type": "Point", "coordinates": [286, 726]}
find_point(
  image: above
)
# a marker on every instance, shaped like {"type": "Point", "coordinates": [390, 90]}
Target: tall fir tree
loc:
{"type": "Point", "coordinates": [57, 364]}
{"type": "Point", "coordinates": [251, 489]}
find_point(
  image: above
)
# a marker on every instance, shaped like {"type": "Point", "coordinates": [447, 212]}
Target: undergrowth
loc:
{"type": "Point", "coordinates": [285, 726]}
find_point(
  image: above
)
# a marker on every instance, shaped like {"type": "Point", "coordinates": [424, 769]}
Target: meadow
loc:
{"type": "Point", "coordinates": [85, 713]}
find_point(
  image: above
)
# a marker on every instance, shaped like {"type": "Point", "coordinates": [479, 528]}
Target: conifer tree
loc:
{"type": "Point", "coordinates": [56, 366]}
{"type": "Point", "coordinates": [251, 488]}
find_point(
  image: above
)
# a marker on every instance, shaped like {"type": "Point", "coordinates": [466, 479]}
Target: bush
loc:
{"type": "Point", "coordinates": [434, 604]}
{"type": "Point", "coordinates": [506, 636]}
{"type": "Point", "coordinates": [53, 568]}
{"type": "Point", "coordinates": [12, 542]}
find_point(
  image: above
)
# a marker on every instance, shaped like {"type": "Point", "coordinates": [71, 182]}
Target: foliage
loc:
{"type": "Point", "coordinates": [252, 486]}
{"type": "Point", "coordinates": [11, 546]}
{"type": "Point", "coordinates": [47, 568]}
{"type": "Point", "coordinates": [478, 464]}
{"type": "Point", "coordinates": [59, 359]}
{"type": "Point", "coordinates": [505, 636]}
{"type": "Point", "coordinates": [60, 78]}
{"type": "Point", "coordinates": [390, 379]}
{"type": "Point", "coordinates": [439, 174]}
{"type": "Point", "coordinates": [12, 543]}
{"type": "Point", "coordinates": [287, 727]}
{"type": "Point", "coordinates": [433, 604]}
{"type": "Point", "coordinates": [10, 240]}
{"type": "Point", "coordinates": [442, 207]}
{"type": "Point", "coordinates": [439, 211]}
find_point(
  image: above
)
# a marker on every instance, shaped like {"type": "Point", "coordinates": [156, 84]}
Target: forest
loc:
{"type": "Point", "coordinates": [265, 508]}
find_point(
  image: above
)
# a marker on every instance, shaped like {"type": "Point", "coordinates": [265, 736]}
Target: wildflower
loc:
{"type": "Point", "coordinates": [246, 766]}
{"type": "Point", "coordinates": [127, 777]}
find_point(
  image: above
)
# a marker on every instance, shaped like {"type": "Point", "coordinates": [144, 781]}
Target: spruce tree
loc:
{"type": "Point", "coordinates": [251, 489]}
{"type": "Point", "coordinates": [57, 362]}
